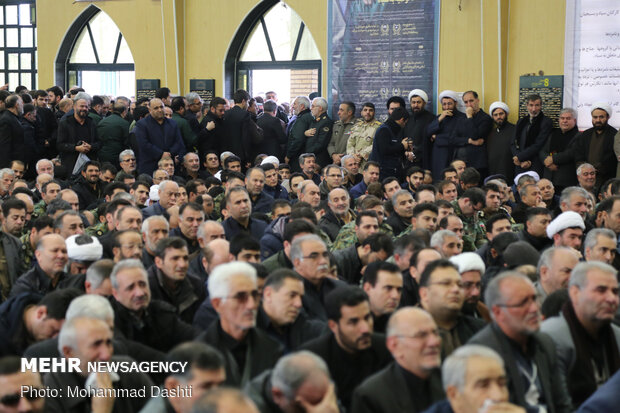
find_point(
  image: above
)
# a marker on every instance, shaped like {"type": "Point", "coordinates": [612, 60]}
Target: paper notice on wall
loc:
{"type": "Point", "coordinates": [592, 57]}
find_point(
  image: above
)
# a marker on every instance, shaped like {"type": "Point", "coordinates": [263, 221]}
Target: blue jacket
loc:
{"type": "Point", "coordinates": [358, 190]}
{"type": "Point", "coordinates": [277, 192]}
{"type": "Point", "coordinates": [272, 241]}
{"type": "Point", "coordinates": [605, 399]}
{"type": "Point", "coordinates": [12, 339]}
{"type": "Point", "coordinates": [154, 139]}
{"type": "Point", "coordinates": [263, 203]}
{"type": "Point", "coordinates": [256, 228]}
{"type": "Point", "coordinates": [154, 209]}
{"type": "Point", "coordinates": [440, 407]}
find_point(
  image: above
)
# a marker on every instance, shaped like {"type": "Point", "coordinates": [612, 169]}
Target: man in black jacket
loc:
{"type": "Point", "coordinates": [240, 130]}
{"type": "Point", "coordinates": [211, 128]}
{"type": "Point", "coordinates": [351, 260]}
{"type": "Point", "coordinates": [535, 231]}
{"type": "Point", "coordinates": [88, 185]}
{"type": "Point", "coordinates": [77, 134]}
{"type": "Point", "coordinates": [247, 350]}
{"type": "Point", "coordinates": [530, 137]}
{"type": "Point", "coordinates": [351, 350]}
{"type": "Point", "coordinates": [534, 380]}
{"type": "Point", "coordinates": [416, 128]}
{"type": "Point", "coordinates": [274, 137]}
{"type": "Point", "coordinates": [558, 155]}
{"type": "Point", "coordinates": [387, 147]}
{"type": "Point", "coordinates": [498, 142]}
{"type": "Point", "coordinates": [11, 132]}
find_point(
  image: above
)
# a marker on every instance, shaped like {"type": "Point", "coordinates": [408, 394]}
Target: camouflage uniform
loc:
{"type": "Point", "coordinates": [39, 209]}
{"type": "Point", "coordinates": [473, 233]}
{"type": "Point", "coordinates": [27, 250]}
{"type": "Point", "coordinates": [347, 237]}
{"type": "Point", "coordinates": [217, 204]}
{"type": "Point", "coordinates": [360, 140]}
{"type": "Point", "coordinates": [482, 222]}
{"type": "Point", "coordinates": [97, 230]}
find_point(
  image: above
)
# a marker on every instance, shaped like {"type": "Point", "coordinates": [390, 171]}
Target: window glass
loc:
{"type": "Point", "coordinates": [256, 47]}
{"type": "Point", "coordinates": [24, 15]}
{"type": "Point", "coordinates": [307, 47]}
{"type": "Point", "coordinates": [83, 49]}
{"type": "Point", "coordinates": [27, 39]}
{"type": "Point", "coordinates": [124, 54]}
{"type": "Point", "coordinates": [11, 14]}
{"type": "Point", "coordinates": [105, 34]}
{"type": "Point", "coordinates": [13, 61]}
{"type": "Point", "coordinates": [25, 61]}
{"type": "Point", "coordinates": [283, 27]}
{"type": "Point", "coordinates": [12, 37]}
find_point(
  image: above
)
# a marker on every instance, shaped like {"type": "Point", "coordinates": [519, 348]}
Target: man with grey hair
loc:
{"type": "Point", "coordinates": [574, 198]}
{"type": "Point", "coordinates": [140, 318]}
{"type": "Point", "coordinates": [207, 232]}
{"type": "Point", "coordinates": [127, 161]}
{"type": "Point", "coordinates": [310, 259]}
{"type": "Point", "coordinates": [463, 373]}
{"type": "Point", "coordinates": [600, 245]}
{"type": "Point", "coordinates": [45, 166]}
{"type": "Point", "coordinates": [309, 192]}
{"type": "Point", "coordinates": [297, 378]}
{"type": "Point", "coordinates": [318, 131]}
{"type": "Point", "coordinates": [77, 135]}
{"type": "Point", "coordinates": [586, 341]}
{"type": "Point", "coordinates": [403, 204]}
{"type": "Point", "coordinates": [193, 113]}
{"type": "Point", "coordinates": [557, 154]}
{"type": "Point", "coordinates": [554, 268]}
{"type": "Point", "coordinates": [248, 351]}
{"type": "Point", "coordinates": [154, 229]}
{"type": "Point", "coordinates": [529, 356]}
{"type": "Point", "coordinates": [338, 214]}
{"type": "Point", "coordinates": [113, 131]}
{"type": "Point", "coordinates": [90, 341]}
{"type": "Point", "coordinates": [7, 176]}
{"type": "Point", "coordinates": [447, 243]}
{"type": "Point", "coordinates": [295, 134]}
{"type": "Point", "coordinates": [274, 137]}
{"type": "Point", "coordinates": [168, 194]}
{"type": "Point", "coordinates": [412, 382]}
{"type": "Point", "coordinates": [586, 176]}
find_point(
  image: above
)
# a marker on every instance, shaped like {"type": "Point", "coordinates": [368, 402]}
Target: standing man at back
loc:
{"type": "Point", "coordinates": [531, 135]}
{"type": "Point", "coordinates": [240, 131]}
{"type": "Point", "coordinates": [337, 147]}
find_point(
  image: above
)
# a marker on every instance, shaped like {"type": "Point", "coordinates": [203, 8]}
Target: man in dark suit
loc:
{"type": "Point", "coordinates": [11, 132]}
{"type": "Point", "coordinates": [531, 134]}
{"type": "Point", "coordinates": [77, 134]}
{"type": "Point", "coordinates": [534, 375]}
{"type": "Point", "coordinates": [412, 382]}
{"type": "Point", "coordinates": [240, 130]}
{"type": "Point", "coordinates": [274, 137]}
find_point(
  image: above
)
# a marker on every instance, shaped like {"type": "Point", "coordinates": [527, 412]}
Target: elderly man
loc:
{"type": "Point", "coordinates": [352, 351]}
{"type": "Point", "coordinates": [157, 137]}
{"type": "Point", "coordinates": [529, 357]}
{"type": "Point", "coordinates": [338, 214]}
{"type": "Point", "coordinates": [127, 161]}
{"type": "Point", "coordinates": [557, 154]}
{"type": "Point", "coordinates": [554, 268]}
{"type": "Point", "coordinates": [464, 372]}
{"type": "Point", "coordinates": [298, 380]}
{"type": "Point", "coordinates": [191, 167]}
{"type": "Point", "coordinates": [310, 259]}
{"type": "Point", "coordinates": [600, 245]}
{"type": "Point", "coordinates": [90, 341]}
{"type": "Point", "coordinates": [168, 193]}
{"type": "Point", "coordinates": [447, 243]}
{"type": "Point", "coordinates": [588, 344]}
{"type": "Point", "coordinates": [530, 198]}
{"type": "Point", "coordinates": [140, 318]}
{"type": "Point", "coordinates": [153, 229]}
{"type": "Point", "coordinates": [586, 176]}
{"type": "Point", "coordinates": [499, 140]}
{"type": "Point", "coordinates": [412, 381]}
{"type": "Point", "coordinates": [337, 147]}
{"type": "Point", "coordinates": [566, 230]}
{"type": "Point", "coordinates": [531, 133]}
{"type": "Point", "coordinates": [318, 132]}
{"type": "Point", "coordinates": [295, 130]}
{"type": "Point", "coordinates": [362, 135]}
{"type": "Point", "coordinates": [234, 295]}
{"type": "Point", "coordinates": [596, 145]}
{"type": "Point", "coordinates": [403, 204]}
{"type": "Point", "coordinates": [77, 134]}
{"type": "Point", "coordinates": [309, 192]}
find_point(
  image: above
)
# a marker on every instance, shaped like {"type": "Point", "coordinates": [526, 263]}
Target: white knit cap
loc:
{"type": "Point", "coordinates": [499, 105]}
{"type": "Point", "coordinates": [449, 94]}
{"type": "Point", "coordinates": [85, 252]}
{"type": "Point", "coordinates": [603, 106]}
{"type": "Point", "coordinates": [419, 92]}
{"type": "Point", "coordinates": [568, 219]}
{"type": "Point", "coordinates": [468, 261]}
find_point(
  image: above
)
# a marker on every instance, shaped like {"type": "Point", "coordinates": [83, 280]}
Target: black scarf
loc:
{"type": "Point", "coordinates": [581, 381]}
{"type": "Point", "coordinates": [531, 133]}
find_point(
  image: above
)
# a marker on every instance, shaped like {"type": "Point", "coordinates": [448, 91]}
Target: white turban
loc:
{"type": "Point", "coordinates": [85, 252]}
{"type": "Point", "coordinates": [418, 92]}
{"type": "Point", "coordinates": [533, 174]}
{"type": "Point", "coordinates": [568, 219]}
{"type": "Point", "coordinates": [468, 261]}
{"type": "Point", "coordinates": [498, 105]}
{"type": "Point", "coordinates": [154, 193]}
{"type": "Point", "coordinates": [449, 94]}
{"type": "Point", "coordinates": [603, 106]}
{"type": "Point", "coordinates": [272, 160]}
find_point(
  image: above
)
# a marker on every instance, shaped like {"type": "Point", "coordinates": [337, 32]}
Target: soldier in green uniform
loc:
{"type": "Point", "coordinates": [49, 190]}
{"type": "Point", "coordinates": [179, 107]}
{"type": "Point", "coordinates": [40, 227]}
{"type": "Point", "coordinates": [362, 134]}
{"type": "Point", "coordinates": [466, 208]}
{"type": "Point", "coordinates": [492, 207]}
{"type": "Point", "coordinates": [337, 147]}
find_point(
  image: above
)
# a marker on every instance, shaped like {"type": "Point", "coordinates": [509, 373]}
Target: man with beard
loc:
{"type": "Point", "coordinates": [530, 136]}
{"type": "Point", "coordinates": [154, 229]}
{"type": "Point", "coordinates": [11, 131]}
{"type": "Point", "coordinates": [554, 268]}
{"type": "Point", "coordinates": [416, 129]}
{"type": "Point", "coordinates": [442, 295]}
{"type": "Point", "coordinates": [441, 131]}
{"type": "Point", "coordinates": [339, 213]}
{"type": "Point", "coordinates": [127, 244]}
{"type": "Point", "coordinates": [530, 357]}
{"type": "Point", "coordinates": [77, 134]}
{"type": "Point", "coordinates": [351, 351]}
{"type": "Point", "coordinates": [472, 134]}
{"type": "Point", "coordinates": [211, 128]}
{"type": "Point", "coordinates": [471, 267]}
{"type": "Point", "coordinates": [337, 147]}
{"type": "Point", "coordinates": [588, 344]}
{"type": "Point", "coordinates": [362, 134]}
{"type": "Point", "coordinates": [403, 204]}
{"type": "Point", "coordinates": [596, 145]}
{"type": "Point", "coordinates": [558, 154]}
{"type": "Point", "coordinates": [88, 186]}
{"type": "Point", "coordinates": [296, 129]}
{"type": "Point", "coordinates": [383, 282]}
{"type": "Point", "coordinates": [498, 142]}
{"type": "Point", "coordinates": [388, 148]}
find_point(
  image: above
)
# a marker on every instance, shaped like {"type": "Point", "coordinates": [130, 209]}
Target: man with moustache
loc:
{"type": "Point", "coordinates": [362, 134]}
{"type": "Point", "coordinates": [351, 351]}
{"type": "Point", "coordinates": [441, 131]}
{"type": "Point", "coordinates": [558, 154]}
{"type": "Point", "coordinates": [337, 147]}
{"type": "Point", "coordinates": [530, 357]}
{"type": "Point", "coordinates": [77, 134]}
{"type": "Point", "coordinates": [499, 140]}
{"type": "Point", "coordinates": [596, 145]}
{"type": "Point", "coordinates": [416, 129]}
{"type": "Point", "coordinates": [530, 136]}
{"type": "Point", "coordinates": [211, 128]}
{"type": "Point", "coordinates": [472, 134]}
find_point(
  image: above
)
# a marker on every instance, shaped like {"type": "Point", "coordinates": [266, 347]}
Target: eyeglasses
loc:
{"type": "Point", "coordinates": [12, 400]}
{"type": "Point", "coordinates": [523, 303]}
{"type": "Point", "coordinates": [316, 255]}
{"type": "Point", "coordinates": [242, 297]}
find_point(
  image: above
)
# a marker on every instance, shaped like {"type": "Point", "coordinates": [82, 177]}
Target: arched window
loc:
{"type": "Point", "coordinates": [100, 60]}
{"type": "Point", "coordinates": [274, 50]}
{"type": "Point", "coordinates": [18, 43]}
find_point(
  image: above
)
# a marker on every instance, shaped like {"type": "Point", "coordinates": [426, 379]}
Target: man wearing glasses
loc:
{"type": "Point", "coordinates": [247, 350]}
{"type": "Point", "coordinates": [535, 380]}
{"type": "Point", "coordinates": [127, 160]}
{"type": "Point", "coordinates": [442, 294]}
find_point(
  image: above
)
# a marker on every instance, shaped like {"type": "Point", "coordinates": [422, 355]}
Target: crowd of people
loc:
{"type": "Point", "coordinates": [301, 264]}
